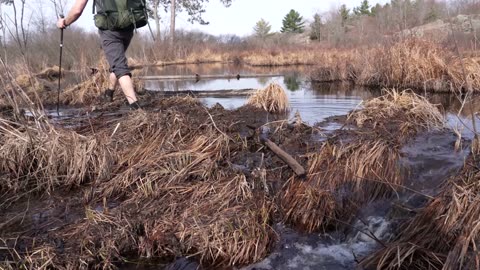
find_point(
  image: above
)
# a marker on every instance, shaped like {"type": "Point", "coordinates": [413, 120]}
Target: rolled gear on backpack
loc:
{"type": "Point", "coordinates": [120, 14]}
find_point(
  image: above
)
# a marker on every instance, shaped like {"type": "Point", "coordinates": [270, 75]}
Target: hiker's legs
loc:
{"type": "Point", "coordinates": [128, 89]}
{"type": "Point", "coordinates": [113, 82]}
{"type": "Point", "coordinates": [115, 44]}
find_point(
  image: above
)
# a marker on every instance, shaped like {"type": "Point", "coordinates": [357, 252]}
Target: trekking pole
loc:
{"type": "Point", "coordinates": [60, 69]}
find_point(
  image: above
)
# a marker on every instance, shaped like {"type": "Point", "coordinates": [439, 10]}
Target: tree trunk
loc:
{"type": "Point", "coordinates": [172, 22]}
{"type": "Point", "coordinates": [156, 17]}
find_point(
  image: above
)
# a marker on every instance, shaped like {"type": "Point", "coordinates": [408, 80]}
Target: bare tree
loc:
{"type": "Point", "coordinates": [40, 21]}
{"type": "Point", "coordinates": [156, 6]}
{"type": "Point", "coordinates": [59, 6]}
{"type": "Point", "coordinates": [173, 14]}
{"type": "Point", "coordinates": [16, 26]}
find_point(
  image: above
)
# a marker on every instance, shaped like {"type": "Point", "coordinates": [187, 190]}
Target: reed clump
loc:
{"type": "Point", "coordinates": [83, 93]}
{"type": "Point", "coordinates": [272, 99]}
{"type": "Point", "coordinates": [342, 176]}
{"type": "Point", "coordinates": [50, 73]}
{"type": "Point", "coordinates": [410, 64]}
{"type": "Point", "coordinates": [37, 160]}
{"type": "Point", "coordinates": [207, 56]}
{"type": "Point", "coordinates": [414, 111]}
{"type": "Point", "coordinates": [226, 223]}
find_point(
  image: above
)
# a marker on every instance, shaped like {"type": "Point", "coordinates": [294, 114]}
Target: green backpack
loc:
{"type": "Point", "coordinates": [120, 14]}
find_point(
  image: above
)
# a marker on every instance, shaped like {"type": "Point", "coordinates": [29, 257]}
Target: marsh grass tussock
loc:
{"type": "Point", "coordinates": [415, 111]}
{"type": "Point", "coordinates": [272, 99]}
{"type": "Point", "coordinates": [361, 170]}
{"type": "Point", "coordinates": [39, 160]}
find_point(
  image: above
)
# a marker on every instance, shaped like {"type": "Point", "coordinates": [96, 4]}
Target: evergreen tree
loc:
{"type": "Point", "coordinates": [375, 9]}
{"type": "Point", "coordinates": [344, 14]}
{"type": "Point", "coordinates": [262, 29]}
{"type": "Point", "coordinates": [292, 82]}
{"type": "Point", "coordinates": [316, 27]}
{"type": "Point", "coordinates": [363, 9]}
{"type": "Point", "coordinates": [293, 23]}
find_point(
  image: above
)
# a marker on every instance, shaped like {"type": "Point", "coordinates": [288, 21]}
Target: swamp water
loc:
{"type": "Point", "coordinates": [429, 159]}
{"type": "Point", "coordinates": [315, 103]}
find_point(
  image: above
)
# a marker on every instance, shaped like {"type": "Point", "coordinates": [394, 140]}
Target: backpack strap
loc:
{"type": "Point", "coordinates": [94, 6]}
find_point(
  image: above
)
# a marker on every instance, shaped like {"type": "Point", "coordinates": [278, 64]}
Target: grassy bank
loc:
{"type": "Point", "coordinates": [414, 63]}
{"type": "Point", "coordinates": [417, 64]}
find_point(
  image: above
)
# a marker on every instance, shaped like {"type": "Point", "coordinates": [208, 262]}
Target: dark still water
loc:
{"type": "Point", "coordinates": [313, 102]}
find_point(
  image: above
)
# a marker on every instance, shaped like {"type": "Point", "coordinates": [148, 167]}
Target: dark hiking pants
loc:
{"type": "Point", "coordinates": [115, 44]}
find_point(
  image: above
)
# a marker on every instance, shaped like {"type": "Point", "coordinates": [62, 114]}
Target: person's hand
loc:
{"type": "Point", "coordinates": [61, 23]}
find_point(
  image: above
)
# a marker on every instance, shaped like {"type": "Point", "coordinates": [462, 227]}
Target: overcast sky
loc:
{"type": "Point", "coordinates": [239, 18]}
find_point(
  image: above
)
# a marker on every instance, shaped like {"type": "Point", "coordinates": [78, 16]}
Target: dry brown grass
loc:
{"type": "Point", "coordinates": [198, 57]}
{"type": "Point", "coordinates": [272, 99]}
{"type": "Point", "coordinates": [44, 86]}
{"type": "Point", "coordinates": [279, 58]}
{"type": "Point", "coordinates": [336, 65]}
{"type": "Point", "coordinates": [410, 64]}
{"type": "Point", "coordinates": [175, 191]}
{"type": "Point", "coordinates": [37, 160]}
{"type": "Point", "coordinates": [364, 169]}
{"type": "Point", "coordinates": [40, 258]}
{"type": "Point", "coordinates": [444, 235]}
{"type": "Point", "coordinates": [415, 63]}
{"type": "Point", "coordinates": [224, 224]}
{"type": "Point", "coordinates": [416, 112]}
{"type": "Point", "coordinates": [361, 163]}
{"type": "Point", "coordinates": [172, 167]}
{"type": "Point", "coordinates": [50, 73]}
{"type": "Point", "coordinates": [310, 208]}
{"type": "Point", "coordinates": [85, 92]}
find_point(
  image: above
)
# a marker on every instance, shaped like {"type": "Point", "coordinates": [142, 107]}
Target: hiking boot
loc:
{"type": "Point", "coordinates": [135, 106]}
{"type": "Point", "coordinates": [108, 95]}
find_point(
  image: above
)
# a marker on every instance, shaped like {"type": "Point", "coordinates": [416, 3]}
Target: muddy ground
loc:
{"type": "Point", "coordinates": [131, 212]}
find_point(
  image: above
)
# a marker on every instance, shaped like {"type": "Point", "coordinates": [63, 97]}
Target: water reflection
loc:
{"type": "Point", "coordinates": [454, 103]}
{"type": "Point", "coordinates": [314, 102]}
{"type": "Point", "coordinates": [458, 114]}
{"type": "Point", "coordinates": [292, 82]}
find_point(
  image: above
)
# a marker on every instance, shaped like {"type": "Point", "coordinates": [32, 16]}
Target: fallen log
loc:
{"type": "Point", "coordinates": [201, 77]}
{"type": "Point", "coordinates": [208, 93]}
{"type": "Point", "coordinates": [287, 158]}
